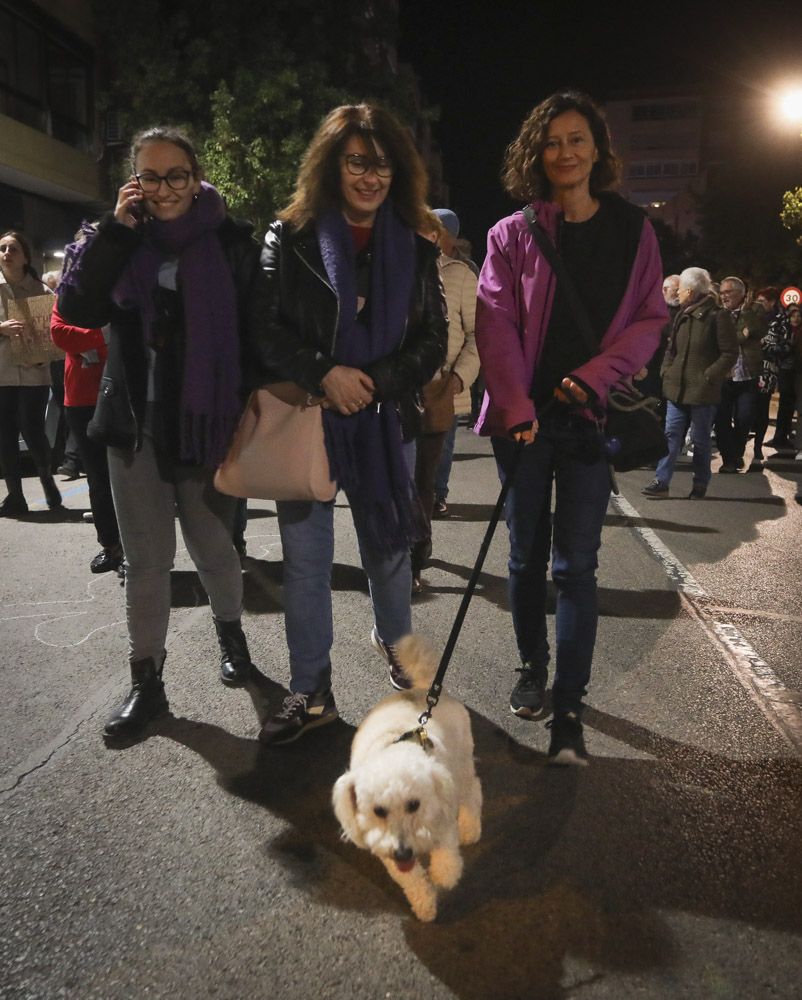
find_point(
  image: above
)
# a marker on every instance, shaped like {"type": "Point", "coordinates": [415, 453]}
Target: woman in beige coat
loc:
{"type": "Point", "coordinates": [451, 386]}
{"type": "Point", "coordinates": [24, 389]}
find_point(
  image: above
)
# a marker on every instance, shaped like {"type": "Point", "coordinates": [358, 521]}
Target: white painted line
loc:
{"type": "Point", "coordinates": [762, 685]}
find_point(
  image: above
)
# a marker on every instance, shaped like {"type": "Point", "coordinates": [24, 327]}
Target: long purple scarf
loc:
{"type": "Point", "coordinates": [210, 402]}
{"type": "Point", "coordinates": [365, 449]}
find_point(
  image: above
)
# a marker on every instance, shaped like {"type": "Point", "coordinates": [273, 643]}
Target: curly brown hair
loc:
{"type": "Point", "coordinates": [317, 188]}
{"type": "Point", "coordinates": [523, 175]}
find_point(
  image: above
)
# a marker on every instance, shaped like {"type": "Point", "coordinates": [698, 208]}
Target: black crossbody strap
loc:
{"type": "Point", "coordinates": [557, 264]}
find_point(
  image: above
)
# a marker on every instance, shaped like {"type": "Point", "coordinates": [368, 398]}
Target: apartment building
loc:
{"type": "Point", "coordinates": [49, 151]}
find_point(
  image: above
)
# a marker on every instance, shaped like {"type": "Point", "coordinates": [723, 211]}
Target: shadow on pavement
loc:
{"type": "Point", "coordinates": [613, 602]}
{"type": "Point", "coordinates": [573, 866]}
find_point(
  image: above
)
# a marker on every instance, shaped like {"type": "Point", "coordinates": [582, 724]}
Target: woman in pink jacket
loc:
{"type": "Point", "coordinates": [538, 371]}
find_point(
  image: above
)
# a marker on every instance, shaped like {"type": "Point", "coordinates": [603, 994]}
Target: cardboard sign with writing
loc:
{"type": "Point", "coordinates": [33, 346]}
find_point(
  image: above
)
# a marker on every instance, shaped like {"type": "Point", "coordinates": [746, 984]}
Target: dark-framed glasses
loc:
{"type": "Point", "coordinates": [357, 164]}
{"type": "Point", "coordinates": [176, 180]}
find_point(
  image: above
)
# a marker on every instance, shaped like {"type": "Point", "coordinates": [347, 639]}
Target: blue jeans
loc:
{"type": "Point", "coordinates": [307, 540]}
{"type": "Point", "coordinates": [571, 536]}
{"type": "Point", "coordinates": [444, 467]}
{"type": "Point", "coordinates": [679, 416]}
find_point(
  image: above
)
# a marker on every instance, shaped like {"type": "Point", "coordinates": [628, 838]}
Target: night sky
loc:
{"type": "Point", "coordinates": [486, 64]}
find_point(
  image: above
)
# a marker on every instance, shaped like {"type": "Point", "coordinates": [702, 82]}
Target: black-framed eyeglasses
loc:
{"type": "Point", "coordinates": [176, 180]}
{"type": "Point", "coordinates": [357, 164]}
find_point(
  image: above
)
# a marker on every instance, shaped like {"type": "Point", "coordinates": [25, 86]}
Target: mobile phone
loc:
{"type": "Point", "coordinates": [137, 210]}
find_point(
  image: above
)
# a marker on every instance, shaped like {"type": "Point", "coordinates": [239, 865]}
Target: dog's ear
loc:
{"type": "Point", "coordinates": [343, 798]}
{"type": "Point", "coordinates": [446, 793]}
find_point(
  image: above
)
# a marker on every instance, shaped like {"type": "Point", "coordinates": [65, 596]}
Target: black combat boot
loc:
{"type": "Point", "coordinates": [14, 504]}
{"type": "Point", "coordinates": [144, 702]}
{"type": "Point", "coordinates": [235, 661]}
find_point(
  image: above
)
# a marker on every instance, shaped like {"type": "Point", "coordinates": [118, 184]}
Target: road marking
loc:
{"type": "Point", "coordinates": [777, 703]}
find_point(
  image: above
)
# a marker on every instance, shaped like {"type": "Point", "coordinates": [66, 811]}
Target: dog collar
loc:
{"type": "Point", "coordinates": [418, 734]}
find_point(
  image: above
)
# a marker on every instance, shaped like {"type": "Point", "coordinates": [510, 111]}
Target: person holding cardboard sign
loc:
{"type": "Point", "coordinates": [24, 382]}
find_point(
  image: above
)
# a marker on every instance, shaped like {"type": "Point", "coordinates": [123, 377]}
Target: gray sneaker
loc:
{"type": "Point", "coordinates": [655, 490]}
{"type": "Point", "coordinates": [299, 713]}
{"type": "Point", "coordinates": [397, 678]}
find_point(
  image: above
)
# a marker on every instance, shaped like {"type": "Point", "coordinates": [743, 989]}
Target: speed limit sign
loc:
{"type": "Point", "coordinates": [791, 296]}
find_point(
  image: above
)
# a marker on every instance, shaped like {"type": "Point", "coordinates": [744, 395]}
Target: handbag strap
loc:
{"type": "Point", "coordinates": [557, 264]}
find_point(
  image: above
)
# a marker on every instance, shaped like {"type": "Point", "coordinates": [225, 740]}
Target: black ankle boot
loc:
{"type": "Point", "coordinates": [144, 702]}
{"type": "Point", "coordinates": [235, 660]}
{"type": "Point", "coordinates": [14, 505]}
{"type": "Point", "coordinates": [52, 494]}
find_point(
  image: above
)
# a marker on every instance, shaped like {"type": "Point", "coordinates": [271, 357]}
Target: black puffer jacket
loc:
{"type": "Point", "coordinates": [304, 310]}
{"type": "Point", "coordinates": [120, 412]}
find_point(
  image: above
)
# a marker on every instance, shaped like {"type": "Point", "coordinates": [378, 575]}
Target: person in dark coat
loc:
{"type": "Point", "coordinates": [180, 284]}
{"type": "Point", "coordinates": [358, 319]}
{"type": "Point", "coordinates": [736, 411]}
{"type": "Point", "coordinates": [701, 352]}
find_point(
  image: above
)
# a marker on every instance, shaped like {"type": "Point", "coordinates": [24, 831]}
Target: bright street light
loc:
{"type": "Point", "coordinates": [791, 105]}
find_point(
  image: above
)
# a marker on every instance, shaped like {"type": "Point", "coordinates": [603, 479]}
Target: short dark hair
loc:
{"type": "Point", "coordinates": [318, 188]}
{"type": "Point", "coordinates": [164, 133]}
{"type": "Point", "coordinates": [770, 293]}
{"type": "Point", "coordinates": [523, 175]}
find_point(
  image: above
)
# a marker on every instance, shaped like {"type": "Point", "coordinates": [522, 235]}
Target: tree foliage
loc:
{"type": "Point", "coordinates": [250, 79]}
{"type": "Point", "coordinates": [791, 214]}
{"type": "Point", "coordinates": [741, 229]}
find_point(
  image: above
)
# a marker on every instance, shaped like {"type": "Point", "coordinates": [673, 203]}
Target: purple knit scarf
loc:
{"type": "Point", "coordinates": [210, 403]}
{"type": "Point", "coordinates": [365, 449]}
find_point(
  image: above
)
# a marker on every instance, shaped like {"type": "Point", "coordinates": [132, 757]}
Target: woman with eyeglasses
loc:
{"type": "Point", "coordinates": [180, 284]}
{"type": "Point", "coordinates": [24, 388]}
{"type": "Point", "coordinates": [358, 314]}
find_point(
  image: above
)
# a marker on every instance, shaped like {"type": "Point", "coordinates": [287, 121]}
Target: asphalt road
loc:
{"type": "Point", "coordinates": [197, 864]}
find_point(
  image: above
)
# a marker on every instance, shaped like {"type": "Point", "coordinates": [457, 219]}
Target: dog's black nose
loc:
{"type": "Point", "coordinates": [403, 854]}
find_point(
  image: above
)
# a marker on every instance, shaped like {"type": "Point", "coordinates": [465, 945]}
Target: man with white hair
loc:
{"type": "Point", "coordinates": [671, 293]}
{"type": "Point", "coordinates": [700, 353]}
{"type": "Point", "coordinates": [736, 411]}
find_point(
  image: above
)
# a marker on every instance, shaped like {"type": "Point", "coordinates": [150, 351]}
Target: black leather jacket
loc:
{"type": "Point", "coordinates": [120, 412]}
{"type": "Point", "coordinates": [304, 311]}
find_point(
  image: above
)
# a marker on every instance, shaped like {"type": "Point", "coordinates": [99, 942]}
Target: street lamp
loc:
{"type": "Point", "coordinates": [790, 105]}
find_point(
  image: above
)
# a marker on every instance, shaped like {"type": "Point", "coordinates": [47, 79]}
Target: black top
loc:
{"type": "Point", "coordinates": [598, 254]}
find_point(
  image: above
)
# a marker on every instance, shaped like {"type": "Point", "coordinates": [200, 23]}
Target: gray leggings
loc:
{"type": "Point", "coordinates": [147, 495]}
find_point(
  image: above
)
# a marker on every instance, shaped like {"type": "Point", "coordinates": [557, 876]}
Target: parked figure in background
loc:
{"type": "Point", "coordinates": [179, 283]}
{"type": "Point", "coordinates": [83, 367]}
{"type": "Point", "coordinates": [736, 411]}
{"type": "Point", "coordinates": [462, 361]}
{"type": "Point", "coordinates": [700, 353]}
{"type": "Point", "coordinates": [777, 374]}
{"type": "Point", "coordinates": [24, 389]}
{"type": "Point", "coordinates": [532, 354]}
{"type": "Point", "coordinates": [357, 320]}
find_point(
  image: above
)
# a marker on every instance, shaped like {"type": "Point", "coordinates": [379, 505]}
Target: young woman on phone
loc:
{"type": "Point", "coordinates": [180, 284]}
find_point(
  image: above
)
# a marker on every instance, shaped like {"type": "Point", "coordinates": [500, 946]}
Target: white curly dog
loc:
{"type": "Point", "coordinates": [406, 799]}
